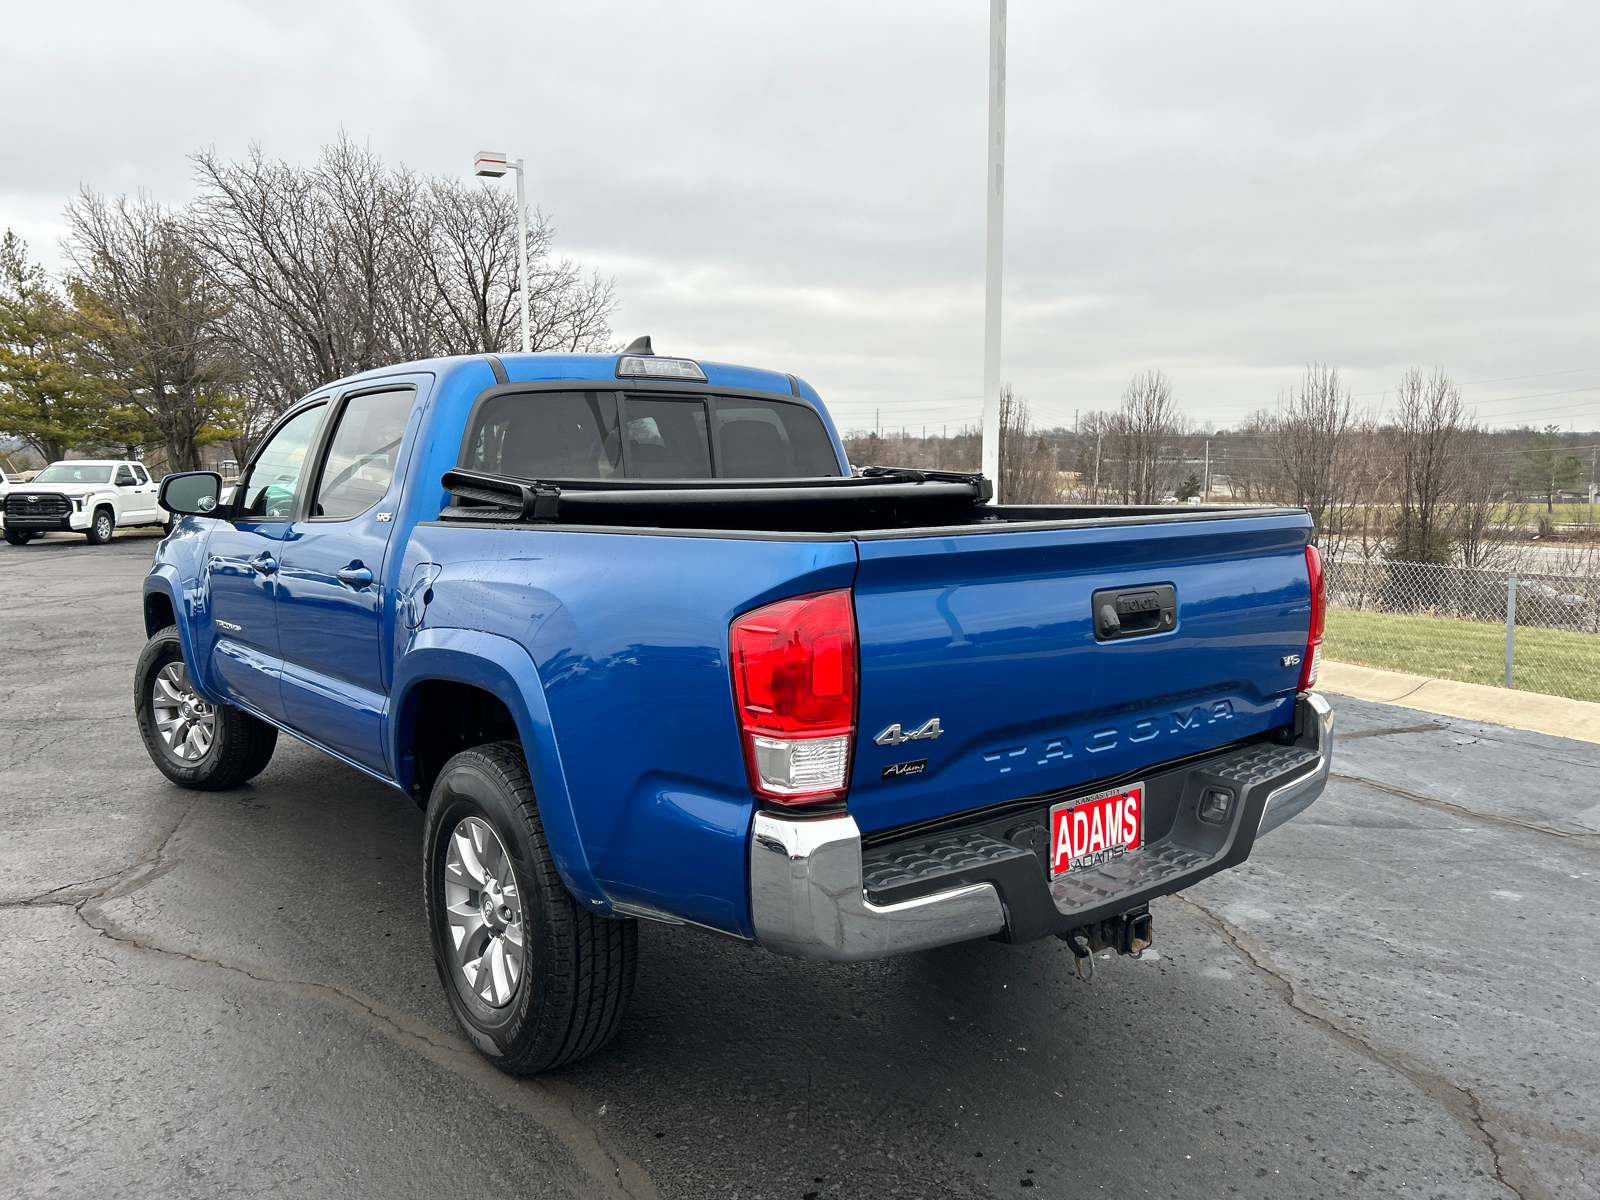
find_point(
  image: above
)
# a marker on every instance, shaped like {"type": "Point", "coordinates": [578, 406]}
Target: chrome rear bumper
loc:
{"type": "Point", "coordinates": [808, 897]}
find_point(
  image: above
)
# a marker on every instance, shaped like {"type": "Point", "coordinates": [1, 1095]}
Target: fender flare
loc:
{"type": "Point", "coordinates": [164, 578]}
{"type": "Point", "coordinates": [503, 668]}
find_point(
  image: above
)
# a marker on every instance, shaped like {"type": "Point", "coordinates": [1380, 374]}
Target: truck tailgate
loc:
{"type": "Point", "coordinates": [994, 635]}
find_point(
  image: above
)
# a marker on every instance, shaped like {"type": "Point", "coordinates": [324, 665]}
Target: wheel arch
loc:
{"type": "Point", "coordinates": [455, 688]}
{"type": "Point", "coordinates": [164, 605]}
{"type": "Point", "coordinates": [159, 611]}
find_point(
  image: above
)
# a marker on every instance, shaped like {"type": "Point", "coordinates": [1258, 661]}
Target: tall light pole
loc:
{"type": "Point", "coordinates": [494, 164]}
{"type": "Point", "coordinates": [993, 253]}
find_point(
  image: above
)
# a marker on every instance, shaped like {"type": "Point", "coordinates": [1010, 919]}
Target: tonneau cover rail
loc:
{"type": "Point", "coordinates": [877, 498]}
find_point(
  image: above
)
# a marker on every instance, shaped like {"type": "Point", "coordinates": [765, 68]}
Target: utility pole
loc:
{"type": "Point", "coordinates": [1208, 471]}
{"type": "Point", "coordinates": [493, 164]}
{"type": "Point", "coordinates": [995, 178]}
{"type": "Point", "coordinates": [877, 422]}
{"type": "Point", "coordinates": [1097, 466]}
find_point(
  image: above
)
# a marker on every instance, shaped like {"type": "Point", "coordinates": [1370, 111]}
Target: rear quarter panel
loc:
{"type": "Point", "coordinates": [629, 633]}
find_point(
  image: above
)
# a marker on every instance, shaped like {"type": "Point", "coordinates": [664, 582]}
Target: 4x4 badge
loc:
{"type": "Point", "coordinates": [892, 736]}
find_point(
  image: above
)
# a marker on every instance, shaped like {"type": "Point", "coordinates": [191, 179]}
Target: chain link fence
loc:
{"type": "Point", "coordinates": [1451, 623]}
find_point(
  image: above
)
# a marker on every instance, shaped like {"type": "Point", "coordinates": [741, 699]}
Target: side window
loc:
{"type": "Point", "coordinates": [139, 476]}
{"type": "Point", "coordinates": [268, 491]}
{"type": "Point", "coordinates": [124, 477]}
{"type": "Point", "coordinates": [362, 454]}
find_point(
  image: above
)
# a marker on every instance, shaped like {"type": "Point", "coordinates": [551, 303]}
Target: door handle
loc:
{"type": "Point", "coordinates": [264, 563]}
{"type": "Point", "coordinates": [356, 575]}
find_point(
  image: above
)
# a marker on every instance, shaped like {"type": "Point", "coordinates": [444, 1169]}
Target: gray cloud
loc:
{"type": "Point", "coordinates": [1223, 191]}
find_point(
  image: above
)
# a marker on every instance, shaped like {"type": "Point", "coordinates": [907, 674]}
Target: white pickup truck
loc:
{"type": "Point", "coordinates": [91, 496]}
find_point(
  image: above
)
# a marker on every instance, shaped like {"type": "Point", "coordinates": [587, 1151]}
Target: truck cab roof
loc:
{"type": "Point", "coordinates": [549, 366]}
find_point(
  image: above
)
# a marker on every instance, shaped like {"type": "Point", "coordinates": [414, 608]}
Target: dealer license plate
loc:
{"type": "Point", "coordinates": [1094, 830]}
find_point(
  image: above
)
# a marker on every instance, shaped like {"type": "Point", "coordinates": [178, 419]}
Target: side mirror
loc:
{"type": "Point", "coordinates": [191, 493]}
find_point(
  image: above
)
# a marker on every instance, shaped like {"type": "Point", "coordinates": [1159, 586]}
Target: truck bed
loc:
{"type": "Point", "coordinates": [977, 615]}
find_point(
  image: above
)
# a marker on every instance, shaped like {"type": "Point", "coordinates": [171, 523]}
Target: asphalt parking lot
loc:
{"type": "Point", "coordinates": [232, 994]}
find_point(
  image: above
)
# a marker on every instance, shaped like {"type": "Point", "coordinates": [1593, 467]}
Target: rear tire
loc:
{"type": "Point", "coordinates": [15, 537]}
{"type": "Point", "coordinates": [535, 980]}
{"type": "Point", "coordinates": [210, 748]}
{"type": "Point", "coordinates": [103, 529]}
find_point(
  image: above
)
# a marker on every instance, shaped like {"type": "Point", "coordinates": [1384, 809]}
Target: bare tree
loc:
{"type": "Point", "coordinates": [464, 240]}
{"type": "Point", "coordinates": [351, 264]}
{"type": "Point", "coordinates": [151, 319]}
{"type": "Point", "coordinates": [1484, 511]}
{"type": "Point", "coordinates": [1425, 442]}
{"type": "Point", "coordinates": [315, 258]}
{"type": "Point", "coordinates": [1027, 464]}
{"type": "Point", "coordinates": [1144, 441]}
{"type": "Point", "coordinates": [1309, 443]}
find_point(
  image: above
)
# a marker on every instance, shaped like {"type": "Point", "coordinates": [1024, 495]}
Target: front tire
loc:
{"type": "Point", "coordinates": [103, 528]}
{"type": "Point", "coordinates": [15, 537]}
{"type": "Point", "coordinates": [534, 979]}
{"type": "Point", "coordinates": [210, 748]}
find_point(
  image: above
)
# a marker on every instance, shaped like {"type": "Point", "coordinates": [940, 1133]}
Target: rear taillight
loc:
{"type": "Point", "coordinates": [794, 682]}
{"type": "Point", "coordinates": [1319, 618]}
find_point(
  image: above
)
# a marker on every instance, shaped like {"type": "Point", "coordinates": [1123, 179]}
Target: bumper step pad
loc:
{"type": "Point", "coordinates": [929, 865]}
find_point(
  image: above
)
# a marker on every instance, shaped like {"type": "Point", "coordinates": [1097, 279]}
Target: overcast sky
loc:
{"type": "Point", "coordinates": [1223, 191]}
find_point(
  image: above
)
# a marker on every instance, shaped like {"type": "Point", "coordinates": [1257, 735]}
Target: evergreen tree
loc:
{"type": "Point", "coordinates": [46, 397]}
{"type": "Point", "coordinates": [1546, 467]}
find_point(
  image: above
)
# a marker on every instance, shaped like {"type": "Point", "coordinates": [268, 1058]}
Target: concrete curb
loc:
{"type": "Point", "coordinates": [1533, 711]}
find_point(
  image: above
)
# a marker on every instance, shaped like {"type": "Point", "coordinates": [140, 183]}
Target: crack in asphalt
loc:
{"type": "Point", "coordinates": [1462, 810]}
{"type": "Point", "coordinates": [1485, 1125]}
{"type": "Point", "coordinates": [552, 1105]}
{"type": "Point", "coordinates": [74, 895]}
{"type": "Point", "coordinates": [1366, 733]}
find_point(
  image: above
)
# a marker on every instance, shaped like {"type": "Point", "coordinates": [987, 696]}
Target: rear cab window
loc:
{"type": "Point", "coordinates": [623, 435]}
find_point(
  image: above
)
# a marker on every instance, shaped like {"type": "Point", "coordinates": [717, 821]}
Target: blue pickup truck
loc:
{"type": "Point", "coordinates": [644, 646]}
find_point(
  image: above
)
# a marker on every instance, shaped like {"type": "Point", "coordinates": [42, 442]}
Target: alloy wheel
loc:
{"type": "Point", "coordinates": [484, 910]}
{"type": "Point", "coordinates": [186, 724]}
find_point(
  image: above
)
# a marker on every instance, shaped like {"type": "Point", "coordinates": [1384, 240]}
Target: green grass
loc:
{"type": "Point", "coordinates": [1547, 660]}
{"type": "Point", "coordinates": [1563, 514]}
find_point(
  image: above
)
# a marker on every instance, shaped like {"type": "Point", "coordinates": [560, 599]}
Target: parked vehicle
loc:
{"type": "Point", "coordinates": [92, 496]}
{"type": "Point", "coordinates": [641, 643]}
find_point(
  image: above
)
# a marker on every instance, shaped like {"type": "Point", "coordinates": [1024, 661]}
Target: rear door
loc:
{"type": "Point", "coordinates": [130, 503]}
{"type": "Point", "coordinates": [332, 598]}
{"type": "Point", "coordinates": [145, 491]}
{"type": "Point", "coordinates": [993, 636]}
